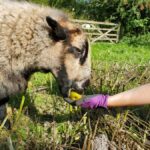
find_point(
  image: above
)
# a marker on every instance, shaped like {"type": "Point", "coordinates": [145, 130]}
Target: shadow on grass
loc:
{"type": "Point", "coordinates": [118, 80]}
{"type": "Point", "coordinates": [34, 114]}
{"type": "Point", "coordinates": [142, 112]}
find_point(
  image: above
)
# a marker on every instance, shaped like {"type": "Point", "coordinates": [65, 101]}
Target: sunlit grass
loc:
{"type": "Point", "coordinates": [45, 121]}
{"type": "Point", "coordinates": [121, 53]}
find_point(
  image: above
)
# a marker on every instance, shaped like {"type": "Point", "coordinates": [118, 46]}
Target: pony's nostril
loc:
{"type": "Point", "coordinates": [80, 91]}
{"type": "Point", "coordinates": [64, 91]}
{"type": "Point", "coordinates": [86, 83]}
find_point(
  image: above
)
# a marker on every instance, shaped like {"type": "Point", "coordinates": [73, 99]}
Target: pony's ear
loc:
{"type": "Point", "coordinates": [58, 32]}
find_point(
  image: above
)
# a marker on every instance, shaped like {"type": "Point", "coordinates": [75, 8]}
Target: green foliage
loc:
{"type": "Point", "coordinates": [47, 122]}
{"type": "Point", "coordinates": [141, 40]}
{"type": "Point", "coordinates": [133, 15]}
{"type": "Point", "coordinates": [42, 2]}
{"type": "Point", "coordinates": [75, 7]}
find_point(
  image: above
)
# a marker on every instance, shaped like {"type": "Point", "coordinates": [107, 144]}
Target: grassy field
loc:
{"type": "Point", "coordinates": [46, 122]}
{"type": "Point", "coordinates": [121, 53]}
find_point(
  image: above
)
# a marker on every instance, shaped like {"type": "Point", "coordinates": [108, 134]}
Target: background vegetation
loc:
{"type": "Point", "coordinates": [134, 15]}
{"type": "Point", "coordinates": [42, 120]}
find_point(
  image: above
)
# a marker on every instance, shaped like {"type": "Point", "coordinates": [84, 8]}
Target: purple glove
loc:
{"type": "Point", "coordinates": [93, 101]}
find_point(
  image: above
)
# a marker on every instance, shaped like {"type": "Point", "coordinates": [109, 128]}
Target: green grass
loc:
{"type": "Point", "coordinates": [121, 53]}
{"type": "Point", "coordinates": [47, 122]}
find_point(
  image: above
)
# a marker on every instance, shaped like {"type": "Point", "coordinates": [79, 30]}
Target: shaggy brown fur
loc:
{"type": "Point", "coordinates": [34, 38]}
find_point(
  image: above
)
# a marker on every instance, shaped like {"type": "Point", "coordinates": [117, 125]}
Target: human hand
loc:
{"type": "Point", "coordinates": [93, 101]}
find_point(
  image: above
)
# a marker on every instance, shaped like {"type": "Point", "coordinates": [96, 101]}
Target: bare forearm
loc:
{"type": "Point", "coordinates": [136, 96]}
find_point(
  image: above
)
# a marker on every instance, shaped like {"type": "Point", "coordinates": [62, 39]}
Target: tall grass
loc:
{"type": "Point", "coordinates": [42, 120]}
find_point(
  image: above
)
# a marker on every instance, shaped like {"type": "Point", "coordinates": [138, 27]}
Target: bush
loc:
{"type": "Point", "coordinates": [132, 14]}
{"type": "Point", "coordinates": [141, 40]}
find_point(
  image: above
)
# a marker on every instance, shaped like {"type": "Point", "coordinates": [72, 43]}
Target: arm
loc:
{"type": "Point", "coordinates": [136, 96]}
{"type": "Point", "coordinates": [133, 97]}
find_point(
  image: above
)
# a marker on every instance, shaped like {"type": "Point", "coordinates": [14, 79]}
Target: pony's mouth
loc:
{"type": "Point", "coordinates": [74, 95]}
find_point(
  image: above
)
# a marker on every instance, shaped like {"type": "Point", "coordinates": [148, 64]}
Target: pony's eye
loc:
{"type": "Point", "coordinates": [76, 51]}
